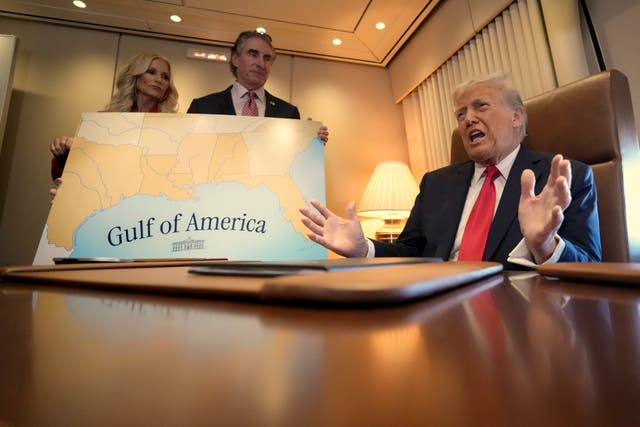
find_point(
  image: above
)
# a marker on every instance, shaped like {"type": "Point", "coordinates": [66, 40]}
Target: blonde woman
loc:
{"type": "Point", "coordinates": [144, 84]}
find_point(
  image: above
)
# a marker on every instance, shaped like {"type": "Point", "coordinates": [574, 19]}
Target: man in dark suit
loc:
{"type": "Point", "coordinates": [559, 224]}
{"type": "Point", "coordinates": [221, 103]}
{"type": "Point", "coordinates": [251, 58]}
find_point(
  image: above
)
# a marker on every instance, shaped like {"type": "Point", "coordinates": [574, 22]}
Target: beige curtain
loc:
{"type": "Point", "coordinates": [515, 42]}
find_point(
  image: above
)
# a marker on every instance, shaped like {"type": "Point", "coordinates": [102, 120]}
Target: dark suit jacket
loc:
{"type": "Point", "coordinates": [432, 225]}
{"type": "Point", "coordinates": [221, 103]}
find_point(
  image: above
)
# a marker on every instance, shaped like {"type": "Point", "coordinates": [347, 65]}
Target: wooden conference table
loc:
{"type": "Point", "coordinates": [542, 352]}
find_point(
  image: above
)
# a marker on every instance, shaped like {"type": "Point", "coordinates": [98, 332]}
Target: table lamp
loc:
{"type": "Point", "coordinates": [389, 196]}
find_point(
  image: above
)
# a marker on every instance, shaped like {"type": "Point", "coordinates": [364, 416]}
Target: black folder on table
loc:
{"type": "Point", "coordinates": [283, 268]}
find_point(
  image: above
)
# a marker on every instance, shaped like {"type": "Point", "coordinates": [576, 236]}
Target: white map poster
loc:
{"type": "Point", "coordinates": [140, 185]}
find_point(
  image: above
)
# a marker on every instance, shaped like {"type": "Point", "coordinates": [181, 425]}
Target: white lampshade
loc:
{"type": "Point", "coordinates": [390, 193]}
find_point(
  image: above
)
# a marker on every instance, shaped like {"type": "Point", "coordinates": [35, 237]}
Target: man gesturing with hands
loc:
{"type": "Point", "coordinates": [539, 208]}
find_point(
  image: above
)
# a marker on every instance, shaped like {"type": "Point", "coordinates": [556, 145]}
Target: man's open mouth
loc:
{"type": "Point", "coordinates": [474, 135]}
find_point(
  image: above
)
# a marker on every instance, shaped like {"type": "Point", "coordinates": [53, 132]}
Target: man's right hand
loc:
{"type": "Point", "coordinates": [343, 236]}
{"type": "Point", "coordinates": [61, 145]}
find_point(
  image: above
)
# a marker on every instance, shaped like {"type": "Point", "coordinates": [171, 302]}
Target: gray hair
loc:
{"type": "Point", "coordinates": [241, 40]}
{"type": "Point", "coordinates": [501, 82]}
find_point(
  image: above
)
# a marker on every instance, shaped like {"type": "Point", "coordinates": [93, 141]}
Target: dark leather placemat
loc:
{"type": "Point", "coordinates": [606, 272]}
{"type": "Point", "coordinates": [379, 285]}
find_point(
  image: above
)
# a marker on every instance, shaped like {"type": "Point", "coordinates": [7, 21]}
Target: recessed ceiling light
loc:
{"type": "Point", "coordinates": [175, 18]}
{"type": "Point", "coordinates": [80, 4]}
{"type": "Point", "coordinates": [380, 25]}
{"type": "Point", "coordinates": [336, 42]}
{"type": "Point", "coordinates": [261, 30]}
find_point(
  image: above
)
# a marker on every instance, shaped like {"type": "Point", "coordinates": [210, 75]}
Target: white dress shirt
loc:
{"type": "Point", "coordinates": [239, 98]}
{"type": "Point", "coordinates": [504, 166]}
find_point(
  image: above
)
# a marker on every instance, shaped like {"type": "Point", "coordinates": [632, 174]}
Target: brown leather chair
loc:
{"type": "Point", "coordinates": [591, 120]}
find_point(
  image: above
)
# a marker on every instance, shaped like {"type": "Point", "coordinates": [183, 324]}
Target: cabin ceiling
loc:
{"type": "Point", "coordinates": [298, 27]}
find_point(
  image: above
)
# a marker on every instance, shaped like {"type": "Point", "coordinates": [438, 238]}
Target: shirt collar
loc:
{"type": "Point", "coordinates": [240, 91]}
{"type": "Point", "coordinates": [504, 166]}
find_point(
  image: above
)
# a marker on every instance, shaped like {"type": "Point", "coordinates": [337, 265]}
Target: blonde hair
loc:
{"type": "Point", "coordinates": [124, 99]}
{"type": "Point", "coordinates": [510, 94]}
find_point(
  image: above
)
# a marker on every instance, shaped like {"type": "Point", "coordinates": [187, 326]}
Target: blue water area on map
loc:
{"type": "Point", "coordinates": [307, 171]}
{"type": "Point", "coordinates": [145, 226]}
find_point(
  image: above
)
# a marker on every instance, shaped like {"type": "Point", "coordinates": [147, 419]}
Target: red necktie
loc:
{"type": "Point", "coordinates": [250, 106]}
{"type": "Point", "coordinates": [475, 234]}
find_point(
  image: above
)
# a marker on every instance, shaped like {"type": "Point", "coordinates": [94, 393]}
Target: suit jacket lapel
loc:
{"type": "Point", "coordinates": [507, 212]}
{"type": "Point", "coordinates": [458, 195]}
{"type": "Point", "coordinates": [271, 105]}
{"type": "Point", "coordinates": [227, 102]}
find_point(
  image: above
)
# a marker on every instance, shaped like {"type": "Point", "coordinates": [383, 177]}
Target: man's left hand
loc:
{"type": "Point", "coordinates": [541, 216]}
{"type": "Point", "coordinates": [323, 134]}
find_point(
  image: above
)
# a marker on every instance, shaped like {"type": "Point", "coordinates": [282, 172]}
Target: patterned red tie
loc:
{"type": "Point", "coordinates": [250, 106]}
{"type": "Point", "coordinates": [475, 234]}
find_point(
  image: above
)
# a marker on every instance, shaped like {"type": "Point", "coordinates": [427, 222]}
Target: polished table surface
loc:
{"type": "Point", "coordinates": [516, 349]}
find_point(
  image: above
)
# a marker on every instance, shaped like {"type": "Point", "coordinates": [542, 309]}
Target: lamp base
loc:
{"type": "Point", "coordinates": [390, 230]}
{"type": "Point", "coordinates": [387, 236]}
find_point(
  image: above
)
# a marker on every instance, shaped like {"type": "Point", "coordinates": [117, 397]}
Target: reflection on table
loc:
{"type": "Point", "coordinates": [546, 353]}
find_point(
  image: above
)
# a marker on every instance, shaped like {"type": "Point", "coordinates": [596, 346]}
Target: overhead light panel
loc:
{"type": "Point", "coordinates": [207, 55]}
{"type": "Point", "coordinates": [261, 30]}
{"type": "Point", "coordinates": [336, 42]}
{"type": "Point", "coordinates": [381, 25]}
{"type": "Point", "coordinates": [80, 4]}
{"type": "Point", "coordinates": [175, 18]}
